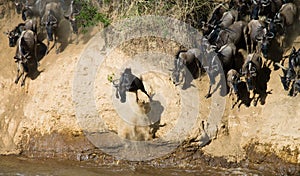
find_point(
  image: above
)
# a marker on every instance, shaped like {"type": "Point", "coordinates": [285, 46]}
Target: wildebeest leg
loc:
{"type": "Point", "coordinates": [57, 50]}
{"type": "Point", "coordinates": [35, 52]}
{"type": "Point", "coordinates": [23, 78]}
{"type": "Point", "coordinates": [117, 93]}
{"type": "Point", "coordinates": [76, 38]}
{"type": "Point", "coordinates": [293, 89]}
{"type": "Point", "coordinates": [19, 65]}
{"type": "Point", "coordinates": [233, 102]}
{"type": "Point", "coordinates": [208, 93]}
{"type": "Point", "coordinates": [146, 94]}
{"type": "Point", "coordinates": [255, 99]}
{"type": "Point", "coordinates": [136, 96]}
{"type": "Point", "coordinates": [48, 44]}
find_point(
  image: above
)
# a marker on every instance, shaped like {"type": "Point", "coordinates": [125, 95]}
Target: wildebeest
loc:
{"type": "Point", "coordinates": [213, 19]}
{"type": "Point", "coordinates": [266, 8]}
{"type": "Point", "coordinates": [233, 79]}
{"type": "Point", "coordinates": [264, 43]}
{"type": "Point", "coordinates": [14, 34]}
{"type": "Point", "coordinates": [292, 73]}
{"type": "Point", "coordinates": [228, 18]}
{"type": "Point", "coordinates": [255, 30]}
{"type": "Point", "coordinates": [186, 59]}
{"type": "Point", "coordinates": [242, 6]}
{"type": "Point", "coordinates": [233, 34]}
{"type": "Point", "coordinates": [25, 54]}
{"type": "Point", "coordinates": [71, 17]}
{"type": "Point", "coordinates": [131, 83]}
{"type": "Point", "coordinates": [251, 70]}
{"type": "Point", "coordinates": [285, 18]}
{"type": "Point", "coordinates": [51, 19]}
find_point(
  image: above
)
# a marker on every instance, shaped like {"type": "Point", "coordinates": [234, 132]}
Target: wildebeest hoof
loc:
{"type": "Point", "coordinates": [57, 51]}
{"type": "Point", "coordinates": [208, 95]}
{"type": "Point", "coordinates": [254, 103]}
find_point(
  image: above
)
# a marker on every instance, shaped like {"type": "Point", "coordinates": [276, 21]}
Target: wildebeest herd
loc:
{"type": "Point", "coordinates": [41, 18]}
{"type": "Point", "coordinates": [241, 38]}
{"type": "Point", "coordinates": [247, 36]}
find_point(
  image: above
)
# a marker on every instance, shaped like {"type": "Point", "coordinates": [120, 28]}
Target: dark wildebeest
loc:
{"type": "Point", "coordinates": [233, 80]}
{"type": "Point", "coordinates": [233, 34]}
{"type": "Point", "coordinates": [255, 28]}
{"type": "Point", "coordinates": [51, 19]}
{"type": "Point", "coordinates": [266, 8]}
{"type": "Point", "coordinates": [71, 17]}
{"type": "Point", "coordinates": [185, 62]}
{"type": "Point", "coordinates": [251, 70]}
{"type": "Point", "coordinates": [284, 19]}
{"type": "Point", "coordinates": [14, 34]}
{"type": "Point", "coordinates": [242, 6]}
{"type": "Point", "coordinates": [228, 18]}
{"type": "Point", "coordinates": [213, 19]}
{"type": "Point", "coordinates": [25, 54]}
{"type": "Point", "coordinates": [131, 83]}
{"type": "Point", "coordinates": [292, 73]}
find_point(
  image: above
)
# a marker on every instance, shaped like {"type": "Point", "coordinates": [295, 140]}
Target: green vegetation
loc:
{"type": "Point", "coordinates": [89, 15]}
{"type": "Point", "coordinates": [110, 77]}
{"type": "Point", "coordinates": [93, 12]}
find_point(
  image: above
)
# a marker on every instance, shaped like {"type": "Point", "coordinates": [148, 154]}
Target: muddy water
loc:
{"type": "Point", "coordinates": [15, 165]}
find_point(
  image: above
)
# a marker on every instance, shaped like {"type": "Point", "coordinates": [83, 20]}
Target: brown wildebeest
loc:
{"type": "Point", "coordinates": [25, 54]}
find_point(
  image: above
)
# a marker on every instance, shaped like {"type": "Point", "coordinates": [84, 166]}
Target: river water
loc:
{"type": "Point", "coordinates": [15, 165]}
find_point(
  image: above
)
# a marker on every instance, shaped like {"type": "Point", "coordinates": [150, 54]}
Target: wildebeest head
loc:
{"type": "Point", "coordinates": [265, 41]}
{"type": "Point", "coordinates": [13, 37]}
{"type": "Point", "coordinates": [72, 19]}
{"type": "Point", "coordinates": [19, 7]}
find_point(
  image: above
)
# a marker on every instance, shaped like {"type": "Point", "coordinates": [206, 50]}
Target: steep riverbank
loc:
{"type": "Point", "coordinates": [39, 120]}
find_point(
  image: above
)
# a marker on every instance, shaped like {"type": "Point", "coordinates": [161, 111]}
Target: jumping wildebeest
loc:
{"type": "Point", "coordinates": [25, 54]}
{"type": "Point", "coordinates": [250, 71]}
{"type": "Point", "coordinates": [131, 83]}
{"type": "Point", "coordinates": [51, 19]}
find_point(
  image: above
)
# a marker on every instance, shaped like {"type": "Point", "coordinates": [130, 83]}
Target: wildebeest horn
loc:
{"type": "Point", "coordinates": [116, 82]}
{"type": "Point", "coordinates": [258, 38]}
{"type": "Point", "coordinates": [281, 66]}
{"type": "Point", "coordinates": [268, 20]}
{"type": "Point", "coordinates": [270, 35]}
